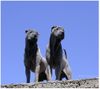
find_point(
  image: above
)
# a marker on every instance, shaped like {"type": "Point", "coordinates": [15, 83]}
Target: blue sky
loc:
{"type": "Point", "coordinates": [80, 21]}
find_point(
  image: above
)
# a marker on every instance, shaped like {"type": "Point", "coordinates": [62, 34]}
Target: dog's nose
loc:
{"type": "Point", "coordinates": [35, 36]}
{"type": "Point", "coordinates": [62, 32]}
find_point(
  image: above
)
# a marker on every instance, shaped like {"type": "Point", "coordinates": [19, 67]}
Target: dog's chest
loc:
{"type": "Point", "coordinates": [56, 61]}
{"type": "Point", "coordinates": [33, 63]}
{"type": "Point", "coordinates": [56, 58]}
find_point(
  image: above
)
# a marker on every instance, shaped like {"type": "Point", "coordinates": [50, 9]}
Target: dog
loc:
{"type": "Point", "coordinates": [33, 59]}
{"type": "Point", "coordinates": [56, 56]}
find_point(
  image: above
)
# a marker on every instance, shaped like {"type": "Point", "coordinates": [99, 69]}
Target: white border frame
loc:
{"type": "Point", "coordinates": [50, 0]}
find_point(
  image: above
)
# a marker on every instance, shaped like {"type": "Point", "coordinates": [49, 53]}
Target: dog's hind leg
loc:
{"type": "Point", "coordinates": [37, 73]}
{"type": "Point", "coordinates": [66, 67]}
{"type": "Point", "coordinates": [63, 75]}
{"type": "Point", "coordinates": [67, 72]}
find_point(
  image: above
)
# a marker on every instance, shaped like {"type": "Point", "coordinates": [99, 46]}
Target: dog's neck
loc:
{"type": "Point", "coordinates": [31, 49]}
{"type": "Point", "coordinates": [55, 46]}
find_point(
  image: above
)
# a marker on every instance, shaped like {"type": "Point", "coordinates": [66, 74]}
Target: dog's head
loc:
{"type": "Point", "coordinates": [57, 32]}
{"type": "Point", "coordinates": [31, 36]}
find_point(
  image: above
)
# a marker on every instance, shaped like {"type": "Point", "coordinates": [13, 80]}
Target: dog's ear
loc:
{"type": "Point", "coordinates": [53, 28]}
{"type": "Point", "coordinates": [37, 33]}
{"type": "Point", "coordinates": [26, 31]}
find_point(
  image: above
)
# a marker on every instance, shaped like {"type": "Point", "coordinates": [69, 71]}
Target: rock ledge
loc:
{"type": "Point", "coordinates": [83, 83]}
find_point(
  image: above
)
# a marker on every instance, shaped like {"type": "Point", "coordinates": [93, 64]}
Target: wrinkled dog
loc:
{"type": "Point", "coordinates": [33, 60]}
{"type": "Point", "coordinates": [56, 56]}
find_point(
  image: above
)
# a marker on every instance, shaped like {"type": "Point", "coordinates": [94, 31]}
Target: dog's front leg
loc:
{"type": "Point", "coordinates": [37, 73]}
{"type": "Point", "coordinates": [58, 72]}
{"type": "Point", "coordinates": [27, 71]}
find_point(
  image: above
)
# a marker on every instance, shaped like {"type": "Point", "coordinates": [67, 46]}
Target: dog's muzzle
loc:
{"type": "Point", "coordinates": [61, 35]}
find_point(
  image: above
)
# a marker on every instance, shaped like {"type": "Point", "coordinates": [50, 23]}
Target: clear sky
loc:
{"type": "Point", "coordinates": [80, 21]}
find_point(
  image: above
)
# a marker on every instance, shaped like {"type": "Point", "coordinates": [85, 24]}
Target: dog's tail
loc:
{"type": "Point", "coordinates": [65, 53]}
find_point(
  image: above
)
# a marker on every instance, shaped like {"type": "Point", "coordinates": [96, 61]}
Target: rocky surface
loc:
{"type": "Point", "coordinates": [83, 83]}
